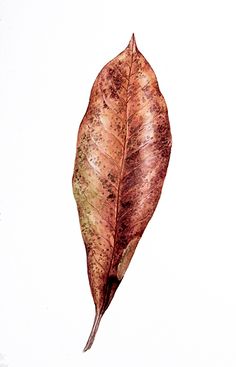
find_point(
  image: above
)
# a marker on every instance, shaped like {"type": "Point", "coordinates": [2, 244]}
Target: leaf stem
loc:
{"type": "Point", "coordinates": [94, 330]}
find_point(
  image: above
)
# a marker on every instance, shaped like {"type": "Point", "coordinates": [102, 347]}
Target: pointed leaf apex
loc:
{"type": "Point", "coordinates": [132, 44]}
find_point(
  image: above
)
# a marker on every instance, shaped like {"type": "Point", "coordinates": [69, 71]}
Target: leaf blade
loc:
{"type": "Point", "coordinates": [123, 150]}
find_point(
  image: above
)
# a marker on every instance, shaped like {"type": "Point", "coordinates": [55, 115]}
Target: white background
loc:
{"type": "Point", "coordinates": [176, 306]}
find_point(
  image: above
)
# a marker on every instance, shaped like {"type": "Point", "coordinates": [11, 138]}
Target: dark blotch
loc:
{"type": "Point", "coordinates": [109, 290]}
{"type": "Point", "coordinates": [111, 196]}
{"type": "Point", "coordinates": [111, 177]}
{"type": "Point", "coordinates": [126, 204]}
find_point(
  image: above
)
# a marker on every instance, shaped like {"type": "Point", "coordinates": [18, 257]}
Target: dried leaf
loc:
{"type": "Point", "coordinates": [123, 150]}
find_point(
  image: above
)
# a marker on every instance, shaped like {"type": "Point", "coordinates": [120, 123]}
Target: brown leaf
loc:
{"type": "Point", "coordinates": [123, 150]}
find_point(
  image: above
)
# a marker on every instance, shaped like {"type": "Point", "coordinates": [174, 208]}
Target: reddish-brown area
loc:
{"type": "Point", "coordinates": [123, 150]}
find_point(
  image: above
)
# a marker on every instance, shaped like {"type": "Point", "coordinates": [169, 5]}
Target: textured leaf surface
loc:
{"type": "Point", "coordinates": [123, 150]}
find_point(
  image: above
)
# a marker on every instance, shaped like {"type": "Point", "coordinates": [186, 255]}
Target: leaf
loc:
{"type": "Point", "coordinates": [123, 150]}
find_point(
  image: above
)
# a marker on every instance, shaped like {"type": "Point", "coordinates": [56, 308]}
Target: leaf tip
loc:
{"type": "Point", "coordinates": [132, 44]}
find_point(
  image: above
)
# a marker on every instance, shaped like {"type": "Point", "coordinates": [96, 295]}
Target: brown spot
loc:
{"type": "Point", "coordinates": [111, 196]}
{"type": "Point", "coordinates": [111, 177]}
